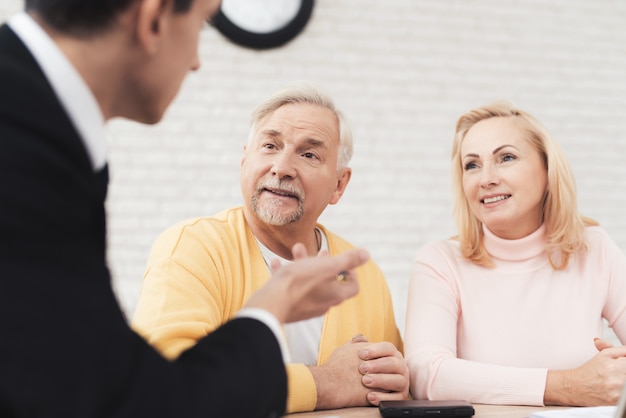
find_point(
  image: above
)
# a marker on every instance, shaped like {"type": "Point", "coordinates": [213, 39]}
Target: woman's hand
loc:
{"type": "Point", "coordinates": [597, 382]}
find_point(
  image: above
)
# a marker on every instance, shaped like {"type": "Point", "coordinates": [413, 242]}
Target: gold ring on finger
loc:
{"type": "Point", "coordinates": [342, 277]}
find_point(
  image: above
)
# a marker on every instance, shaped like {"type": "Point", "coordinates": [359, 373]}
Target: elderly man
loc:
{"type": "Point", "coordinates": [294, 164]}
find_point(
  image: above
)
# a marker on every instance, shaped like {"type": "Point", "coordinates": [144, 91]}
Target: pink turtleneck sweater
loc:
{"type": "Point", "coordinates": [490, 335]}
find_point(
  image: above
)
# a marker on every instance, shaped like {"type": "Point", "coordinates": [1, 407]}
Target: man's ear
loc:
{"type": "Point", "coordinates": [150, 22]}
{"type": "Point", "coordinates": [342, 183]}
{"type": "Point", "coordinates": [243, 156]}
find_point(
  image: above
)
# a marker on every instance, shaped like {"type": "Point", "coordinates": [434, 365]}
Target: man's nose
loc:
{"type": "Point", "coordinates": [284, 165]}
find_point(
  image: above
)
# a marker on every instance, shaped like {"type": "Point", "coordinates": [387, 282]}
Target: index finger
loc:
{"type": "Point", "coordinates": [341, 263]}
{"type": "Point", "coordinates": [615, 352]}
{"type": "Point", "coordinates": [378, 350]}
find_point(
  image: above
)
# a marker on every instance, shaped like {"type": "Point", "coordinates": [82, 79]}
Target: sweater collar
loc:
{"type": "Point", "coordinates": [517, 249]}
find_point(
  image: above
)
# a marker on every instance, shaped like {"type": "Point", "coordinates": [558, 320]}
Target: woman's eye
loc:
{"type": "Point", "coordinates": [508, 157]}
{"type": "Point", "coordinates": [469, 166]}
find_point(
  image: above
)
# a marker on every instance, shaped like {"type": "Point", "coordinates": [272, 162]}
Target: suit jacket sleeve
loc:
{"type": "Point", "coordinates": [66, 348]}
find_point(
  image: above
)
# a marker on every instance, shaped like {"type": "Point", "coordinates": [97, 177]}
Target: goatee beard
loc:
{"type": "Point", "coordinates": [270, 212]}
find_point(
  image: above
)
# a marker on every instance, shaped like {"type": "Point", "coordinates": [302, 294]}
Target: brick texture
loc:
{"type": "Point", "coordinates": [403, 71]}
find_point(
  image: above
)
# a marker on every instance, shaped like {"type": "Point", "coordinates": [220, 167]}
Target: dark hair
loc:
{"type": "Point", "coordinates": [85, 17]}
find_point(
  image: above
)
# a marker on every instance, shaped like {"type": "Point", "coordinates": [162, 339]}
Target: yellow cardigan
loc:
{"type": "Point", "coordinates": [200, 273]}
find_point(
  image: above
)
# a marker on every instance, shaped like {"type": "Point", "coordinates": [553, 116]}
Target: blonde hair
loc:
{"type": "Point", "coordinates": [304, 92]}
{"type": "Point", "coordinates": [563, 222]}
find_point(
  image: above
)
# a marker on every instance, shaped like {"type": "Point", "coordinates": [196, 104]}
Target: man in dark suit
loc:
{"type": "Point", "coordinates": [66, 67]}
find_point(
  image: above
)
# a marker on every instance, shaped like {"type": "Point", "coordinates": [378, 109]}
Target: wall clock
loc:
{"type": "Point", "coordinates": [262, 24]}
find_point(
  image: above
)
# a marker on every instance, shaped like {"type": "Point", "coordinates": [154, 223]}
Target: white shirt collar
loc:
{"type": "Point", "coordinates": [72, 91]}
{"type": "Point", "coordinates": [268, 254]}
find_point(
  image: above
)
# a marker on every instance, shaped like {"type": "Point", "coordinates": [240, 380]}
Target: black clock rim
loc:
{"type": "Point", "coordinates": [264, 40]}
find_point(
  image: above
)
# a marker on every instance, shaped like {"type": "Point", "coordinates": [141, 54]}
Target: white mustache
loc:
{"type": "Point", "coordinates": [285, 186]}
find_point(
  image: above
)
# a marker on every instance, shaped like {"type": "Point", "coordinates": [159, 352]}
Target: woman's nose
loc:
{"type": "Point", "coordinates": [489, 176]}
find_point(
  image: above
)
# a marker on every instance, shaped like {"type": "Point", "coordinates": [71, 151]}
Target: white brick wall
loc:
{"type": "Point", "coordinates": [403, 71]}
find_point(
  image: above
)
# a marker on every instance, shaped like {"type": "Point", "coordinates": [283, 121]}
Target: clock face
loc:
{"type": "Point", "coordinates": [262, 24]}
{"type": "Point", "coordinates": [261, 16]}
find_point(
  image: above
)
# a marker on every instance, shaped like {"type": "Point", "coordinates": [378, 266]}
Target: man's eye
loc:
{"type": "Point", "coordinates": [309, 155]}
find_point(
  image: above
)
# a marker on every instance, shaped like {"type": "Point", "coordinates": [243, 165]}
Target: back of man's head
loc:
{"type": "Point", "coordinates": [85, 17]}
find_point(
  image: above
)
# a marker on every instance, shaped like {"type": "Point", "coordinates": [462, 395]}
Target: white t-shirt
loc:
{"type": "Point", "coordinates": [302, 337]}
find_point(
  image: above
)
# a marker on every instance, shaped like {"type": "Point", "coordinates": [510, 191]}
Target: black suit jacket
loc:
{"type": "Point", "coordinates": [66, 349]}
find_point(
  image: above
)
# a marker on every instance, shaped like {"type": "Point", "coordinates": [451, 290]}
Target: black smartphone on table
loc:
{"type": "Point", "coordinates": [425, 408]}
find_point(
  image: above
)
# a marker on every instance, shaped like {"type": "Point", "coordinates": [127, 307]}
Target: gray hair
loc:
{"type": "Point", "coordinates": [304, 92]}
